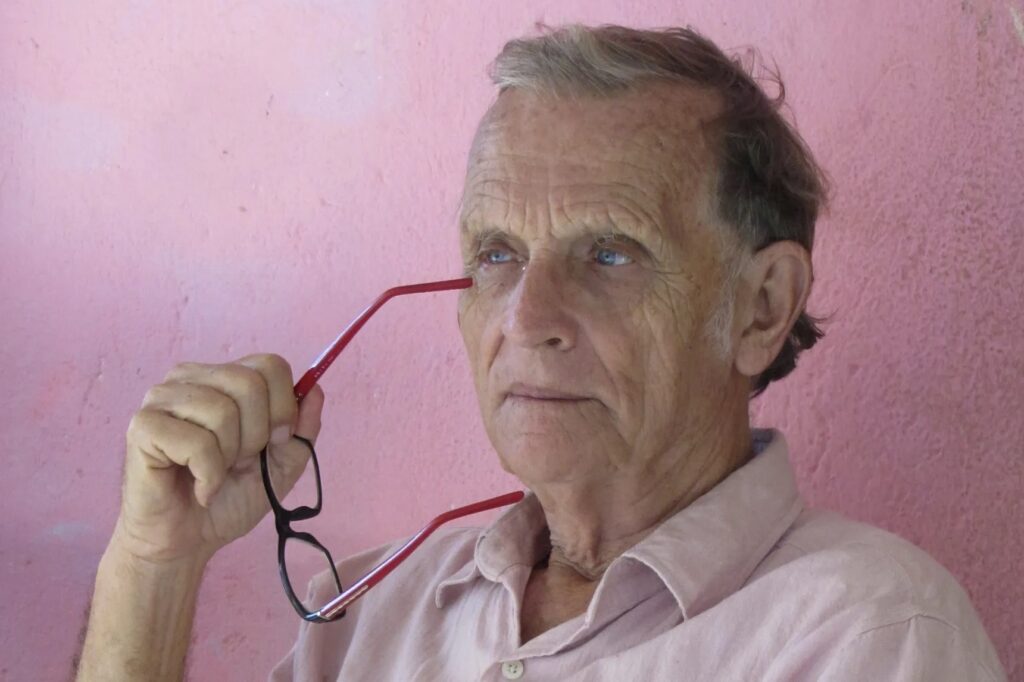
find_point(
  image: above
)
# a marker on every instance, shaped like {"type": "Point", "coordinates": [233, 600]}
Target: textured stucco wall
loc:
{"type": "Point", "coordinates": [200, 180]}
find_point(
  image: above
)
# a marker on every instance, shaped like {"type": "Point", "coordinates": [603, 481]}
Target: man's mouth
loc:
{"type": "Point", "coordinates": [523, 391]}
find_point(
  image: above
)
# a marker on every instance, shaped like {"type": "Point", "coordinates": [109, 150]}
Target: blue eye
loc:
{"type": "Point", "coordinates": [495, 257]}
{"type": "Point", "coordinates": [605, 256]}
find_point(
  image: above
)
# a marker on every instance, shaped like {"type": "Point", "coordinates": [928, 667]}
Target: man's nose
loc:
{"type": "Point", "coordinates": [539, 312]}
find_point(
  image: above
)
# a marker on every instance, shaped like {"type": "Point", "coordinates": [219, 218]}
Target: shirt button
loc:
{"type": "Point", "coordinates": [512, 670]}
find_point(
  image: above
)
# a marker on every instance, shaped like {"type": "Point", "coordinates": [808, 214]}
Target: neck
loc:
{"type": "Point", "coordinates": [592, 523]}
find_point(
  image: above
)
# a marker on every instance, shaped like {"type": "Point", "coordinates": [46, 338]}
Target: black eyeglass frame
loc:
{"type": "Point", "coordinates": [283, 519]}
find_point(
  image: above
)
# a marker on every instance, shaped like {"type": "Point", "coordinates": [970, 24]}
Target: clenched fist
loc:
{"type": "Point", "coordinates": [192, 479]}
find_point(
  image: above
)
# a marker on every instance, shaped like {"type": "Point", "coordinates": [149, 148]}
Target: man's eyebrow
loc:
{"type": "Point", "coordinates": [621, 237]}
{"type": "Point", "coordinates": [614, 237]}
{"type": "Point", "coordinates": [482, 234]}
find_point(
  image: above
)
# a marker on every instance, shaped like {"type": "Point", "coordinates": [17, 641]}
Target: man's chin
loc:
{"type": "Point", "coordinates": [538, 460]}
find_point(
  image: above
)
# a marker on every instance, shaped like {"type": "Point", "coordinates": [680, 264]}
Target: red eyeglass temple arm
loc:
{"type": "Point", "coordinates": [336, 605]}
{"type": "Point", "coordinates": [320, 365]}
{"type": "Point", "coordinates": [306, 384]}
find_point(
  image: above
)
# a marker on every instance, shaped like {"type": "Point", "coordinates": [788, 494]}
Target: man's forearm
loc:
{"type": "Point", "coordinates": [140, 622]}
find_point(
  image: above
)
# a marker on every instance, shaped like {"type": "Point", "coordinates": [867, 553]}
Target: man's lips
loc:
{"type": "Point", "coordinates": [531, 392]}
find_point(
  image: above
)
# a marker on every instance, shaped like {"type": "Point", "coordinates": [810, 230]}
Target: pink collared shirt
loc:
{"type": "Point", "coordinates": [743, 584]}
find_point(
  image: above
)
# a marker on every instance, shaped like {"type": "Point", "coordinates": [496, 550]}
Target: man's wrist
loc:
{"type": "Point", "coordinates": [183, 574]}
{"type": "Point", "coordinates": [123, 552]}
{"type": "Point", "coordinates": [141, 616]}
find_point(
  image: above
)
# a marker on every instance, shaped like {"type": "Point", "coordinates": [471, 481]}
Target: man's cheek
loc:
{"type": "Point", "coordinates": [664, 327]}
{"type": "Point", "coordinates": [470, 323]}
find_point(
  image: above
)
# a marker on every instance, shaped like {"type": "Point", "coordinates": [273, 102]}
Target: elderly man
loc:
{"type": "Point", "coordinates": [637, 221]}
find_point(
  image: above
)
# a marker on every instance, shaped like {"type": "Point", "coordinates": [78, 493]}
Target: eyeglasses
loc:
{"type": "Point", "coordinates": [287, 537]}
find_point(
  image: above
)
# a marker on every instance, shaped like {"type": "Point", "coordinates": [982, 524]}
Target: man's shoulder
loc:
{"type": "Point", "coordinates": [859, 582]}
{"type": "Point", "coordinates": [870, 563]}
{"type": "Point", "coordinates": [445, 545]}
{"type": "Point", "coordinates": [443, 552]}
{"type": "Point", "coordinates": [860, 578]}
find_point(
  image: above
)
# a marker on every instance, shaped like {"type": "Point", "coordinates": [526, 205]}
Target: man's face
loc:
{"type": "Point", "coordinates": [588, 226]}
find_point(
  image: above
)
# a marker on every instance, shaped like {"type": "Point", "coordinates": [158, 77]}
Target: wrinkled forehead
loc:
{"type": "Point", "coordinates": [655, 139]}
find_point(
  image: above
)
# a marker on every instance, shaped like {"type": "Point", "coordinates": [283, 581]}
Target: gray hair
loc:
{"type": "Point", "coordinates": [769, 187]}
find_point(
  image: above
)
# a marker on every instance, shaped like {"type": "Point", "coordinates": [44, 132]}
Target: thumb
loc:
{"type": "Point", "coordinates": [289, 460]}
{"type": "Point", "coordinates": [310, 410]}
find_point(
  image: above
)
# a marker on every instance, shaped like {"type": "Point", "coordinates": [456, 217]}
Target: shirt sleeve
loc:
{"type": "Point", "coordinates": [918, 648]}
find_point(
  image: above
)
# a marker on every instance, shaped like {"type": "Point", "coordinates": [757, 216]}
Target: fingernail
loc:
{"type": "Point", "coordinates": [280, 435]}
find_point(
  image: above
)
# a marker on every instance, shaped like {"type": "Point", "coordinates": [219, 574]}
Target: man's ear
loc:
{"type": "Point", "coordinates": [776, 284]}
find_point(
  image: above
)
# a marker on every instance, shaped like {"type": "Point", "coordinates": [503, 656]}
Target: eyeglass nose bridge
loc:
{"type": "Point", "coordinates": [283, 518]}
{"type": "Point", "coordinates": [302, 513]}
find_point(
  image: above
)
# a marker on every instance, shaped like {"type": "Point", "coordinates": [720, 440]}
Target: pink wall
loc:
{"type": "Point", "coordinates": [228, 177]}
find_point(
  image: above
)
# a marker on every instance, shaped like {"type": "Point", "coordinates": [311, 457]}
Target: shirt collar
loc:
{"type": "Point", "coordinates": [708, 550]}
{"type": "Point", "coordinates": [519, 537]}
{"type": "Point", "coordinates": [702, 554]}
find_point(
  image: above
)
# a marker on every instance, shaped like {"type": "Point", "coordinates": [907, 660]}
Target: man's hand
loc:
{"type": "Point", "coordinates": [192, 484]}
{"type": "Point", "coordinates": [192, 473]}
